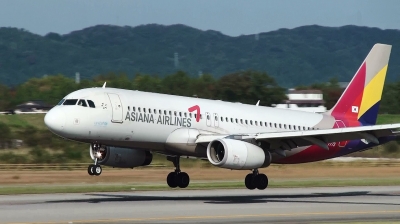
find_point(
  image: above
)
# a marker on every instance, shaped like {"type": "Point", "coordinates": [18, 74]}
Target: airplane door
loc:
{"type": "Point", "coordinates": [216, 120]}
{"type": "Point", "coordinates": [208, 119]}
{"type": "Point", "coordinates": [116, 108]}
{"type": "Point", "coordinates": [340, 124]}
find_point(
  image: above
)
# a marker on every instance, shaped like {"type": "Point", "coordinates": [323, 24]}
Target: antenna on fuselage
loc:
{"type": "Point", "coordinates": [258, 102]}
{"type": "Point", "coordinates": [104, 85]}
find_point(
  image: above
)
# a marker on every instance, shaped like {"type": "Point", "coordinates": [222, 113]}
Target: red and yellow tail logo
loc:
{"type": "Point", "coordinates": [359, 103]}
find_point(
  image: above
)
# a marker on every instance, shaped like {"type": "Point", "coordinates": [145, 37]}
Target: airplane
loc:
{"type": "Point", "coordinates": [125, 127]}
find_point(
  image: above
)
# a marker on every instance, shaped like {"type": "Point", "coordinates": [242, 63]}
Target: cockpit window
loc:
{"type": "Point", "coordinates": [82, 103]}
{"type": "Point", "coordinates": [61, 102]}
{"type": "Point", "coordinates": [70, 102]}
{"type": "Point", "coordinates": [91, 104]}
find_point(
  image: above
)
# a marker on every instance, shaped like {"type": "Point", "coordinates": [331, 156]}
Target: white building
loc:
{"type": "Point", "coordinates": [305, 100]}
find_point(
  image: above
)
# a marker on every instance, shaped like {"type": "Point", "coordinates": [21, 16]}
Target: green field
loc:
{"type": "Point", "coordinates": [116, 187]}
{"type": "Point", "coordinates": [41, 146]}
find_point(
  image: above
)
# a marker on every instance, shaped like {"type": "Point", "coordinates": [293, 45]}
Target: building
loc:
{"type": "Point", "coordinates": [309, 100]}
{"type": "Point", "coordinates": [33, 106]}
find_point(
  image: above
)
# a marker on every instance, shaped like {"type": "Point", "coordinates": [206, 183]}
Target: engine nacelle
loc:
{"type": "Point", "coordinates": [237, 155]}
{"type": "Point", "coordinates": [121, 157]}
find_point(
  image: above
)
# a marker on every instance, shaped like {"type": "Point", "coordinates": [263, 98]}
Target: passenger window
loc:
{"type": "Point", "coordinates": [91, 104]}
{"type": "Point", "coordinates": [185, 114]}
{"type": "Point", "coordinates": [149, 110]}
{"type": "Point", "coordinates": [159, 111]}
{"type": "Point", "coordinates": [266, 124]}
{"type": "Point", "coordinates": [61, 102]}
{"type": "Point", "coordinates": [70, 102]}
{"type": "Point", "coordinates": [144, 110]}
{"type": "Point", "coordinates": [241, 121]}
{"type": "Point", "coordinates": [195, 116]}
{"type": "Point", "coordinates": [284, 126]}
{"type": "Point", "coordinates": [226, 119]}
{"type": "Point", "coordinates": [180, 114]}
{"type": "Point", "coordinates": [190, 115]}
{"type": "Point", "coordinates": [260, 123]}
{"type": "Point", "coordinates": [138, 109]}
{"type": "Point", "coordinates": [222, 119]}
{"type": "Point", "coordinates": [165, 112]}
{"type": "Point", "coordinates": [251, 122]}
{"type": "Point", "coordinates": [169, 112]}
{"type": "Point", "coordinates": [82, 103]}
{"type": "Point", "coordinates": [236, 120]}
{"type": "Point", "coordinates": [216, 118]}
{"type": "Point", "coordinates": [208, 117]}
{"type": "Point", "coordinates": [133, 108]}
{"type": "Point", "coordinates": [245, 121]}
{"type": "Point", "coordinates": [232, 120]}
{"type": "Point", "coordinates": [155, 111]}
{"type": "Point", "coordinates": [174, 113]}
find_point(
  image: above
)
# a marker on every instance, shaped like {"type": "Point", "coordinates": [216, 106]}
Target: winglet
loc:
{"type": "Point", "coordinates": [104, 85]}
{"type": "Point", "coordinates": [258, 102]}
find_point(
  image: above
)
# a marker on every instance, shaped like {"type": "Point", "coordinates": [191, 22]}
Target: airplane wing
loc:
{"type": "Point", "coordinates": [291, 139]}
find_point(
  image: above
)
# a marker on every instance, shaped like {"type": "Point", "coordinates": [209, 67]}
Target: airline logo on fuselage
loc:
{"type": "Point", "coordinates": [163, 119]}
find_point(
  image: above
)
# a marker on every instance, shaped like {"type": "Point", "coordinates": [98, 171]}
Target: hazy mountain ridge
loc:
{"type": "Point", "coordinates": [293, 56]}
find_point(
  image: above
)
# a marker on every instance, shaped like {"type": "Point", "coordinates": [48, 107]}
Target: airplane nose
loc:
{"type": "Point", "coordinates": [55, 120]}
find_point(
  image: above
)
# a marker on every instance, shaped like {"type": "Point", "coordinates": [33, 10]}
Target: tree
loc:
{"type": "Point", "coordinates": [248, 87]}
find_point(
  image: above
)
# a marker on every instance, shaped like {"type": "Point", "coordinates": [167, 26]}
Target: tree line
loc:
{"type": "Point", "coordinates": [244, 86]}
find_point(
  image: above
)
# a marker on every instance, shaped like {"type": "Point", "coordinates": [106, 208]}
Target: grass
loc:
{"type": "Point", "coordinates": [21, 121]}
{"type": "Point", "coordinates": [118, 187]}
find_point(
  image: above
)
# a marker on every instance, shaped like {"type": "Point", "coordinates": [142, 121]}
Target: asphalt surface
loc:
{"type": "Point", "coordinates": [291, 205]}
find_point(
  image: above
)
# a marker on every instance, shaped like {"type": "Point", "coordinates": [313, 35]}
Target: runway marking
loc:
{"type": "Point", "coordinates": [216, 217]}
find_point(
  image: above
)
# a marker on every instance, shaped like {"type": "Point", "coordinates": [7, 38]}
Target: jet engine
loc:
{"type": "Point", "coordinates": [120, 157]}
{"type": "Point", "coordinates": [237, 155]}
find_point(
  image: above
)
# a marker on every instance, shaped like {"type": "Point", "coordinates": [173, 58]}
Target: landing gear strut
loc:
{"type": "Point", "coordinates": [177, 178]}
{"type": "Point", "coordinates": [95, 169]}
{"type": "Point", "coordinates": [256, 180]}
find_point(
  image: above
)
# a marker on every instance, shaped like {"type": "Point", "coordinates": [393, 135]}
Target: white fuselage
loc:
{"type": "Point", "coordinates": [142, 120]}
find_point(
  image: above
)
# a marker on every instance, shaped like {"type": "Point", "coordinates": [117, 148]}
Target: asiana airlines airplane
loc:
{"type": "Point", "coordinates": [125, 127]}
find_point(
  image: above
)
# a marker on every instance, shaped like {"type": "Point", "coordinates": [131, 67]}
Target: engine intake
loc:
{"type": "Point", "coordinates": [120, 157]}
{"type": "Point", "coordinates": [237, 155]}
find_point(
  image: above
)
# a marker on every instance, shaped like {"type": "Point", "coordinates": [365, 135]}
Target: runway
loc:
{"type": "Point", "coordinates": [299, 205]}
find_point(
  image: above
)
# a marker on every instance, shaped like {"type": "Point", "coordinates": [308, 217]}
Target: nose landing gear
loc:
{"type": "Point", "coordinates": [95, 169]}
{"type": "Point", "coordinates": [256, 180]}
{"type": "Point", "coordinates": [177, 178]}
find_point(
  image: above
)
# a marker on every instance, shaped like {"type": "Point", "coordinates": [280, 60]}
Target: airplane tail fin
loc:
{"type": "Point", "coordinates": [360, 100]}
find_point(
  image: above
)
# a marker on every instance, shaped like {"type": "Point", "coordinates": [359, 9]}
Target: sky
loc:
{"type": "Point", "coordinates": [231, 17]}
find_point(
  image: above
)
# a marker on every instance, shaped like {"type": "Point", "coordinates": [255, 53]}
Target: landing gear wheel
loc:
{"type": "Point", "coordinates": [91, 170]}
{"type": "Point", "coordinates": [183, 180]}
{"type": "Point", "coordinates": [171, 180]}
{"type": "Point", "coordinates": [256, 180]}
{"type": "Point", "coordinates": [249, 182]}
{"type": "Point", "coordinates": [261, 181]}
{"type": "Point", "coordinates": [97, 170]}
{"type": "Point", "coordinates": [177, 178]}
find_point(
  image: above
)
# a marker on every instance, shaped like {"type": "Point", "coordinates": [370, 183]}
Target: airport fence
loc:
{"type": "Point", "coordinates": [83, 166]}
{"type": "Point", "coordinates": [58, 166]}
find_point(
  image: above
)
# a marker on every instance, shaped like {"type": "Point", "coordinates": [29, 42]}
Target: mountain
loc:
{"type": "Point", "coordinates": [296, 56]}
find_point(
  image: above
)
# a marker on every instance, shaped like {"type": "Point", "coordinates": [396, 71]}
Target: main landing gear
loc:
{"type": "Point", "coordinates": [95, 169]}
{"type": "Point", "coordinates": [177, 178]}
{"type": "Point", "coordinates": [256, 180]}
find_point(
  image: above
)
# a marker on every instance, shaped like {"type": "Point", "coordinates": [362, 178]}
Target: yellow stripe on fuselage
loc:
{"type": "Point", "coordinates": [373, 91]}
